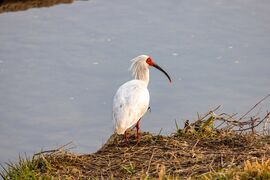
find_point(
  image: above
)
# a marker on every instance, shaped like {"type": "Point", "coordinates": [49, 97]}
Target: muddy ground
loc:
{"type": "Point", "coordinates": [20, 5]}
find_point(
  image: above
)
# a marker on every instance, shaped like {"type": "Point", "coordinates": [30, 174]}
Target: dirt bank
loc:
{"type": "Point", "coordinates": [182, 156]}
{"type": "Point", "coordinates": [19, 5]}
{"type": "Point", "coordinates": [179, 155]}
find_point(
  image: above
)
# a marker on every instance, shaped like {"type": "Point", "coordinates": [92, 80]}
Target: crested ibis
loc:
{"type": "Point", "coordinates": [131, 100]}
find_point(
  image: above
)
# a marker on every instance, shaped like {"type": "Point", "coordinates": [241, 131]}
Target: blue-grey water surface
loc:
{"type": "Point", "coordinates": [60, 66]}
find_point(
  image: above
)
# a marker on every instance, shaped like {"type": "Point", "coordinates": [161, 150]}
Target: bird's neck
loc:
{"type": "Point", "coordinates": [143, 75]}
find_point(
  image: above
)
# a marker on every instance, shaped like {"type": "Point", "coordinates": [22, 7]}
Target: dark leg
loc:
{"type": "Point", "coordinates": [126, 136]}
{"type": "Point", "coordinates": [138, 128]}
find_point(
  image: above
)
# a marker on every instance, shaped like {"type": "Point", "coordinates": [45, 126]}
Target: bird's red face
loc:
{"type": "Point", "coordinates": [150, 62]}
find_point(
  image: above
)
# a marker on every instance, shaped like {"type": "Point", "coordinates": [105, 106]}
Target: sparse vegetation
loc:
{"type": "Point", "coordinates": [250, 170]}
{"type": "Point", "coordinates": [26, 168]}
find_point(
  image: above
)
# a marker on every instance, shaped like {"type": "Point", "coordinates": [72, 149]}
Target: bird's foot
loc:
{"type": "Point", "coordinates": [138, 137]}
{"type": "Point", "coordinates": [126, 137]}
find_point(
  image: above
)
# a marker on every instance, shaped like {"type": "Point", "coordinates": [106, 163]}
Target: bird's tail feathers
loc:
{"type": "Point", "coordinates": [120, 130]}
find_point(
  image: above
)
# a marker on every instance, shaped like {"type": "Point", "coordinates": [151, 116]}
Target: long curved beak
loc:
{"type": "Point", "coordinates": [159, 68]}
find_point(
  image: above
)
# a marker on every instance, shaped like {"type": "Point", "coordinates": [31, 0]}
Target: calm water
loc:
{"type": "Point", "coordinates": [60, 66]}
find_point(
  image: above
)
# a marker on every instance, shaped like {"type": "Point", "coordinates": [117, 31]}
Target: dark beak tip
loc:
{"type": "Point", "coordinates": [159, 68]}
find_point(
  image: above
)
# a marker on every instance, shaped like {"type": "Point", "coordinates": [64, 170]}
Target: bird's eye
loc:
{"type": "Point", "coordinates": [148, 60]}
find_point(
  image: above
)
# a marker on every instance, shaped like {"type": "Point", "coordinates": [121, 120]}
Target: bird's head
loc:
{"type": "Point", "coordinates": [143, 62]}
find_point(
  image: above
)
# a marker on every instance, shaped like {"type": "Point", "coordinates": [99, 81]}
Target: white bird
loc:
{"type": "Point", "coordinates": [131, 100]}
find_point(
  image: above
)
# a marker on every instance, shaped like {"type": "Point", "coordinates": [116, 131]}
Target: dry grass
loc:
{"type": "Point", "coordinates": [220, 155]}
{"type": "Point", "coordinates": [161, 156]}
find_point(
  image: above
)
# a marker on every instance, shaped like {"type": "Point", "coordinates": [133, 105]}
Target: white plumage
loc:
{"type": "Point", "coordinates": [130, 104]}
{"type": "Point", "coordinates": [131, 100]}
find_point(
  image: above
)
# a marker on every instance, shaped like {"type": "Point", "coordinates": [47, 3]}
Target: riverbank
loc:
{"type": "Point", "coordinates": [225, 154]}
{"type": "Point", "coordinates": [19, 5]}
{"type": "Point", "coordinates": [185, 154]}
{"type": "Point", "coordinates": [215, 146]}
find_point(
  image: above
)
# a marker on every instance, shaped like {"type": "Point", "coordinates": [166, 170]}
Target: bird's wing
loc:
{"type": "Point", "coordinates": [131, 102]}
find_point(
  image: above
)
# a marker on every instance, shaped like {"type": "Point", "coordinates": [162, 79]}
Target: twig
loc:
{"type": "Point", "coordinates": [195, 144]}
{"type": "Point", "coordinates": [209, 112]}
{"type": "Point", "coordinates": [252, 125]}
{"type": "Point", "coordinates": [267, 116]}
{"type": "Point", "coordinates": [254, 107]}
{"type": "Point", "coordinates": [54, 150]}
{"type": "Point", "coordinates": [147, 172]}
{"type": "Point", "coordinates": [221, 160]}
{"type": "Point", "coordinates": [192, 150]}
{"type": "Point", "coordinates": [220, 124]}
{"type": "Point", "coordinates": [265, 125]}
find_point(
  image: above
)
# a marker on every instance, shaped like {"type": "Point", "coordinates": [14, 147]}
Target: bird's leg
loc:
{"type": "Point", "coordinates": [126, 136]}
{"type": "Point", "coordinates": [138, 128]}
